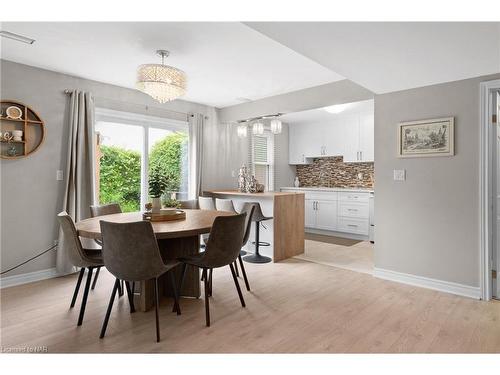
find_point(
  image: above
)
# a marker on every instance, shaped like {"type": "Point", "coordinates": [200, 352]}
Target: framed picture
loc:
{"type": "Point", "coordinates": [426, 138]}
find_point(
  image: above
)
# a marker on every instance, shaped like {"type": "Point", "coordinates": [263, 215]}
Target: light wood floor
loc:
{"type": "Point", "coordinates": [355, 256]}
{"type": "Point", "coordinates": [294, 307]}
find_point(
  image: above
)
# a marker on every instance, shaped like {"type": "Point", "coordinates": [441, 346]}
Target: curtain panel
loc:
{"type": "Point", "coordinates": [196, 123]}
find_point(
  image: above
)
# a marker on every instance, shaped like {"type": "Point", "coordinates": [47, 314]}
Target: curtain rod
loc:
{"type": "Point", "coordinates": [67, 91]}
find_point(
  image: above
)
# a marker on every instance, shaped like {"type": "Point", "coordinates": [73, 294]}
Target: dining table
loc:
{"type": "Point", "coordinates": [176, 238]}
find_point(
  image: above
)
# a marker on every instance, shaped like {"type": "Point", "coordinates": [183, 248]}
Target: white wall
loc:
{"type": "Point", "coordinates": [428, 225]}
{"type": "Point", "coordinates": [30, 195]}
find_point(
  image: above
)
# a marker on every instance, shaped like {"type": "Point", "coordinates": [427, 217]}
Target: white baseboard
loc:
{"type": "Point", "coordinates": [425, 282]}
{"type": "Point", "coordinates": [351, 236]}
{"type": "Point", "coordinates": [29, 277]}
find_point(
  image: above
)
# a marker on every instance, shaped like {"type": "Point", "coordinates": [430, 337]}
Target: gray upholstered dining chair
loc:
{"type": "Point", "coordinates": [249, 209]}
{"type": "Point", "coordinates": [101, 210]}
{"type": "Point", "coordinates": [223, 247]}
{"type": "Point", "coordinates": [130, 252]}
{"type": "Point", "coordinates": [191, 204]}
{"type": "Point", "coordinates": [224, 205]}
{"type": "Point", "coordinates": [79, 257]}
{"type": "Point", "coordinates": [206, 203]}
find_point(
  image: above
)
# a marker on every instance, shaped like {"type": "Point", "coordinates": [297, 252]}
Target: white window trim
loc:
{"type": "Point", "coordinates": [270, 157]}
{"type": "Point", "coordinates": [146, 122]}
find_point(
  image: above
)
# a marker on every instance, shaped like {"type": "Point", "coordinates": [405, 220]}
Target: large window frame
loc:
{"type": "Point", "coordinates": [269, 163]}
{"type": "Point", "coordinates": [146, 122]}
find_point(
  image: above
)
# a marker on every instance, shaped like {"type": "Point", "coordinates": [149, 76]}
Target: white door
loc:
{"type": "Point", "coordinates": [326, 215]}
{"type": "Point", "coordinates": [350, 129]}
{"type": "Point", "coordinates": [366, 137]}
{"type": "Point", "coordinates": [310, 213]}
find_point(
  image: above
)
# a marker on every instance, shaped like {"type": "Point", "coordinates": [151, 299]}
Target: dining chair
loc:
{"type": "Point", "coordinates": [224, 205]}
{"type": "Point", "coordinates": [223, 247]}
{"type": "Point", "coordinates": [191, 204]}
{"type": "Point", "coordinates": [131, 253]}
{"type": "Point", "coordinates": [101, 210]}
{"type": "Point", "coordinates": [249, 209]}
{"type": "Point", "coordinates": [79, 257]}
{"type": "Point", "coordinates": [206, 203]}
{"type": "Point", "coordinates": [258, 218]}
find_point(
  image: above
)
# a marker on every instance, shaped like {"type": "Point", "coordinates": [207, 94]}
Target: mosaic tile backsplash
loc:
{"type": "Point", "coordinates": [333, 172]}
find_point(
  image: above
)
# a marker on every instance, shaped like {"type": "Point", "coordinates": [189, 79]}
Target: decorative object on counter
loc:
{"type": "Point", "coordinates": [426, 138]}
{"type": "Point", "coordinates": [251, 186]}
{"type": "Point", "coordinates": [164, 215]}
{"type": "Point", "coordinates": [296, 183]}
{"type": "Point", "coordinates": [242, 179]}
{"type": "Point", "coordinates": [260, 188]}
{"type": "Point", "coordinates": [248, 183]}
{"type": "Point", "coordinates": [157, 185]}
{"type": "Point", "coordinates": [21, 130]}
{"type": "Point", "coordinates": [148, 206]}
{"type": "Point", "coordinates": [172, 203]}
{"type": "Point", "coordinates": [14, 112]}
{"type": "Point", "coordinates": [333, 172]}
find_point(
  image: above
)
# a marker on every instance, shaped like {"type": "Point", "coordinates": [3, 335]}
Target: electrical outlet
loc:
{"type": "Point", "coordinates": [399, 174]}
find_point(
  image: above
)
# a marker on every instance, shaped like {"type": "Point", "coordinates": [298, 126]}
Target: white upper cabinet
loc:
{"type": "Point", "coordinates": [366, 137]}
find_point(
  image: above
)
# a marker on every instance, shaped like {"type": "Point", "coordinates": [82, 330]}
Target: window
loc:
{"type": "Point", "coordinates": [262, 159]}
{"type": "Point", "coordinates": [128, 147]}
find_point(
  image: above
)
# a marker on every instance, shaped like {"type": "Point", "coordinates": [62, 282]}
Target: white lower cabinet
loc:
{"type": "Point", "coordinates": [326, 215]}
{"type": "Point", "coordinates": [310, 213]}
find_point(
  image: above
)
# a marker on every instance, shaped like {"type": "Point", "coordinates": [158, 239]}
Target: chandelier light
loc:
{"type": "Point", "coordinates": [276, 126]}
{"type": "Point", "coordinates": [242, 131]}
{"type": "Point", "coordinates": [258, 128]}
{"type": "Point", "coordinates": [162, 82]}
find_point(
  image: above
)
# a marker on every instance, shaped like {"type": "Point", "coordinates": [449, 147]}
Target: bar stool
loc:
{"type": "Point", "coordinates": [258, 217]}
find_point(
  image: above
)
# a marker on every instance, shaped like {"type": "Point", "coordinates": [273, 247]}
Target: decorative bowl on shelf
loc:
{"type": "Point", "coordinates": [14, 112]}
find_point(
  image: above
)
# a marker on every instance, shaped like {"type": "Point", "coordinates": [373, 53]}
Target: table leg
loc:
{"type": "Point", "coordinates": [171, 249]}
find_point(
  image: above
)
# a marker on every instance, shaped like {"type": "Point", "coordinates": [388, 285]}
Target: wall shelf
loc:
{"type": "Point", "coordinates": [30, 124]}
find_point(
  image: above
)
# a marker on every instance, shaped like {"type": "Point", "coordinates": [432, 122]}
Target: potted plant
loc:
{"type": "Point", "coordinates": [157, 185]}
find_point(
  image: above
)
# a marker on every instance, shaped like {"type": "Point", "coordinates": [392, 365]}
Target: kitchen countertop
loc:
{"type": "Point", "coordinates": [265, 194]}
{"type": "Point", "coordinates": [321, 188]}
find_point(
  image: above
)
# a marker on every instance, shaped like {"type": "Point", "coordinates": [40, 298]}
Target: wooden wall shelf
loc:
{"type": "Point", "coordinates": [30, 124]}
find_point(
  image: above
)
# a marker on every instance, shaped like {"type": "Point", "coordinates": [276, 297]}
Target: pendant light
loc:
{"type": "Point", "coordinates": [162, 82]}
{"type": "Point", "coordinates": [276, 126]}
{"type": "Point", "coordinates": [242, 131]}
{"type": "Point", "coordinates": [258, 128]}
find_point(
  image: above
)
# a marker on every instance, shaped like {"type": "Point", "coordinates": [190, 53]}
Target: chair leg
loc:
{"type": "Point", "coordinates": [121, 289]}
{"type": "Point", "coordinates": [236, 269]}
{"type": "Point", "coordinates": [77, 287]}
{"type": "Point", "coordinates": [237, 285]}
{"type": "Point", "coordinates": [95, 278]}
{"type": "Point", "coordinates": [130, 296]}
{"type": "Point", "coordinates": [207, 304]}
{"type": "Point", "coordinates": [210, 282]}
{"type": "Point", "coordinates": [108, 311]}
{"type": "Point", "coordinates": [176, 296]}
{"type": "Point", "coordinates": [156, 311]}
{"type": "Point", "coordinates": [244, 272]}
{"type": "Point", "coordinates": [183, 276]}
{"type": "Point", "coordinates": [85, 296]}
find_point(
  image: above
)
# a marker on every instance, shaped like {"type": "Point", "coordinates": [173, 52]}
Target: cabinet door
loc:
{"type": "Point", "coordinates": [366, 137]}
{"type": "Point", "coordinates": [298, 145]}
{"type": "Point", "coordinates": [326, 215]}
{"type": "Point", "coordinates": [350, 129]}
{"type": "Point", "coordinates": [332, 138]}
{"type": "Point", "coordinates": [310, 213]}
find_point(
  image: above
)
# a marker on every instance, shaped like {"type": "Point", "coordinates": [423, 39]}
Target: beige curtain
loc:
{"type": "Point", "coordinates": [80, 187]}
{"type": "Point", "coordinates": [196, 122]}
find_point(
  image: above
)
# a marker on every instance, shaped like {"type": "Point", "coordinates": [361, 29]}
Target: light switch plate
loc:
{"type": "Point", "coordinates": [399, 174]}
{"type": "Point", "coordinates": [59, 175]}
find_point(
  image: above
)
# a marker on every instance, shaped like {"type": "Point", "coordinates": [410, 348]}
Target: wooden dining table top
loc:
{"type": "Point", "coordinates": [196, 222]}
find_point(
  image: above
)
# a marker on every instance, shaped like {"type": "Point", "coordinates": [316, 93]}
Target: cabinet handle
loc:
{"type": "Point", "coordinates": [352, 209]}
{"type": "Point", "coordinates": [352, 225]}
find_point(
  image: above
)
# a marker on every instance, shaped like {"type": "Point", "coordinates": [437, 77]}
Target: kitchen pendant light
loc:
{"type": "Point", "coordinates": [258, 128]}
{"type": "Point", "coordinates": [162, 82]}
{"type": "Point", "coordinates": [276, 126]}
{"type": "Point", "coordinates": [242, 131]}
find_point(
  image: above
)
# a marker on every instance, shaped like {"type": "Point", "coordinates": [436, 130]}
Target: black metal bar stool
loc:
{"type": "Point", "coordinates": [258, 217]}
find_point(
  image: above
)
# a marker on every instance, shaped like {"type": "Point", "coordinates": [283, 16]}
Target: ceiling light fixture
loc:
{"type": "Point", "coordinates": [258, 128]}
{"type": "Point", "coordinates": [162, 82]}
{"type": "Point", "coordinates": [242, 131]}
{"type": "Point", "coordinates": [276, 126]}
{"type": "Point", "coordinates": [337, 108]}
{"type": "Point", "coordinates": [16, 37]}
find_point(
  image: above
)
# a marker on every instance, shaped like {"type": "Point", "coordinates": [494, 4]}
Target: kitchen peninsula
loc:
{"type": "Point", "coordinates": [285, 232]}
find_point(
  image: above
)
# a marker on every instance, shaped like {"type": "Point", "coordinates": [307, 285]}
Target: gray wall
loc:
{"type": "Point", "coordinates": [344, 91]}
{"type": "Point", "coordinates": [30, 195]}
{"type": "Point", "coordinates": [428, 225]}
{"type": "Point", "coordinates": [284, 172]}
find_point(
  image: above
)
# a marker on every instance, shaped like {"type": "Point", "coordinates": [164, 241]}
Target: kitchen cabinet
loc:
{"type": "Point", "coordinates": [310, 213]}
{"type": "Point", "coordinates": [326, 215]}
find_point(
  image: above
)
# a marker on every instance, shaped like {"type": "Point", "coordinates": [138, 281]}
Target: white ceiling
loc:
{"type": "Point", "coordinates": [385, 57]}
{"type": "Point", "coordinates": [224, 62]}
{"type": "Point", "coordinates": [319, 115]}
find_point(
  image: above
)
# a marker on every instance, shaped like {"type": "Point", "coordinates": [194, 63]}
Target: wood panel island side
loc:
{"type": "Point", "coordinates": [285, 232]}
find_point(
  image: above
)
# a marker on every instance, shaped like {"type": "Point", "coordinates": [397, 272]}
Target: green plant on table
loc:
{"type": "Point", "coordinates": [157, 182]}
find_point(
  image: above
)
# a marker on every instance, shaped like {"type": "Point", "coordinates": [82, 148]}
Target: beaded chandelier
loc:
{"type": "Point", "coordinates": [162, 82]}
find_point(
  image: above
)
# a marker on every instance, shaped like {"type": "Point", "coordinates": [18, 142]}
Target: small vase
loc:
{"type": "Point", "coordinates": [156, 205]}
{"type": "Point", "coordinates": [296, 183]}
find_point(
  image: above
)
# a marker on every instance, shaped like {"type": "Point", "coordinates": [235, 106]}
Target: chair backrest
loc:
{"type": "Point", "coordinates": [71, 242]}
{"type": "Point", "coordinates": [206, 203]}
{"type": "Point", "coordinates": [249, 209]}
{"type": "Point", "coordinates": [105, 209]}
{"type": "Point", "coordinates": [258, 215]}
{"type": "Point", "coordinates": [224, 244]}
{"type": "Point", "coordinates": [130, 250]}
{"type": "Point", "coordinates": [189, 204]}
{"type": "Point", "coordinates": [224, 205]}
